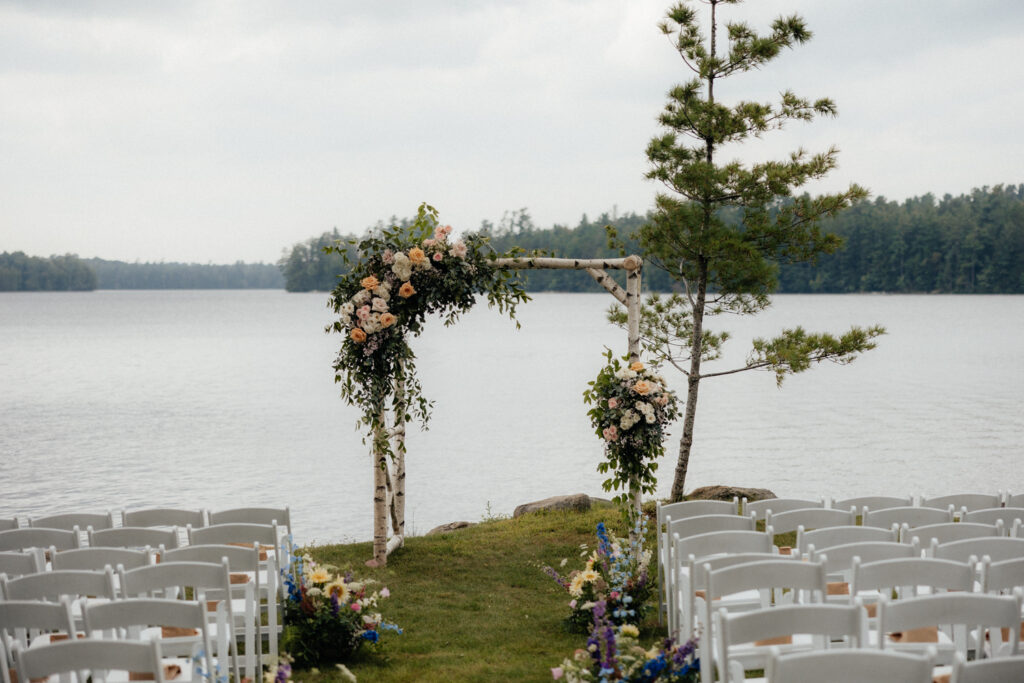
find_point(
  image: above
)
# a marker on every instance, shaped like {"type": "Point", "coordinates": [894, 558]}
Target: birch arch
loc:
{"type": "Point", "coordinates": [389, 473]}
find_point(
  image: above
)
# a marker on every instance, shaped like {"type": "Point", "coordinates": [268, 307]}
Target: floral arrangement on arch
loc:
{"type": "Point", "coordinates": [615, 575]}
{"type": "Point", "coordinates": [328, 616]}
{"type": "Point", "coordinates": [615, 654]}
{"type": "Point", "coordinates": [404, 274]}
{"type": "Point", "coordinates": [632, 408]}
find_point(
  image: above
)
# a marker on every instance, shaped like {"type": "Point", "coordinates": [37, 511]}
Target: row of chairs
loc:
{"type": "Point", "coordinates": [152, 517]}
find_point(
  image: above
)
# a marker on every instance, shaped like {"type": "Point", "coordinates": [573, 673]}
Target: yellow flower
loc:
{"type": "Point", "coordinates": [337, 587]}
{"type": "Point", "coordinates": [636, 366]}
{"type": "Point", "coordinates": [369, 282]}
{"type": "Point", "coordinates": [576, 586]}
{"type": "Point", "coordinates": [629, 630]}
{"type": "Point", "coordinates": [320, 576]}
{"type": "Point", "coordinates": [590, 576]}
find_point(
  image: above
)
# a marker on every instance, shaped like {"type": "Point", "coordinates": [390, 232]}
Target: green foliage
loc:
{"type": "Point", "coordinates": [22, 273]}
{"type": "Point", "coordinates": [724, 228]}
{"type": "Point", "coordinates": [403, 275]}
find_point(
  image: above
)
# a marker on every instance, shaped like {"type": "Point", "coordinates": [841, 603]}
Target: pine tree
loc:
{"type": "Point", "coordinates": [723, 228]}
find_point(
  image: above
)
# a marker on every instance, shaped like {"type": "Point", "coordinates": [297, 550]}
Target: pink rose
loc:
{"type": "Point", "coordinates": [388, 257]}
{"type": "Point", "coordinates": [556, 672]}
{"type": "Point", "coordinates": [384, 592]}
{"type": "Point", "coordinates": [364, 313]}
{"type": "Point", "coordinates": [438, 256]}
{"type": "Point", "coordinates": [459, 249]}
{"type": "Point", "coordinates": [613, 403]}
{"type": "Point", "coordinates": [610, 433]}
{"type": "Point", "coordinates": [429, 242]}
{"type": "Point", "coordinates": [356, 607]}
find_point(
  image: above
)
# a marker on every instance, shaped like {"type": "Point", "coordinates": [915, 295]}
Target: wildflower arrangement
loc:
{"type": "Point", "coordinates": [615, 654]}
{"type": "Point", "coordinates": [615, 575]}
{"type": "Point", "coordinates": [327, 615]}
{"type": "Point", "coordinates": [632, 409]}
{"type": "Point", "coordinates": [403, 275]}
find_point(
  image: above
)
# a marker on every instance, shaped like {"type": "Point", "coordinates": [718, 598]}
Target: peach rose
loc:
{"type": "Point", "coordinates": [358, 336]}
{"type": "Point", "coordinates": [642, 388]}
{"type": "Point", "coordinates": [416, 255]}
{"type": "Point", "coordinates": [406, 290]}
{"type": "Point", "coordinates": [369, 282]}
{"type": "Point", "coordinates": [388, 319]}
{"type": "Point", "coordinates": [636, 366]}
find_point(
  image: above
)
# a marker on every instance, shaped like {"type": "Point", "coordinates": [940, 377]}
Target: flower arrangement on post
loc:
{"type": "Point", "coordinates": [615, 654]}
{"type": "Point", "coordinates": [328, 616]}
{"type": "Point", "coordinates": [403, 275]}
{"type": "Point", "coordinates": [632, 409]}
{"type": "Point", "coordinates": [615, 575]}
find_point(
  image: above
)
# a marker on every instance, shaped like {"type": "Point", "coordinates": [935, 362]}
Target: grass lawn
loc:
{"type": "Point", "coordinates": [474, 604]}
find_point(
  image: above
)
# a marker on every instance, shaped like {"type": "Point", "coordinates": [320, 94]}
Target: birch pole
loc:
{"type": "Point", "coordinates": [380, 493]}
{"type": "Point", "coordinates": [633, 321]}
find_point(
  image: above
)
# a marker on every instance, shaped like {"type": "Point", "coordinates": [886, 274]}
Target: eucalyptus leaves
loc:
{"type": "Point", "coordinates": [403, 275]}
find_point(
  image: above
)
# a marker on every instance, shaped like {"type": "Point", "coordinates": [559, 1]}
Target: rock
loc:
{"type": "Point", "coordinates": [721, 492]}
{"type": "Point", "coordinates": [450, 526]}
{"type": "Point", "coordinates": [580, 502]}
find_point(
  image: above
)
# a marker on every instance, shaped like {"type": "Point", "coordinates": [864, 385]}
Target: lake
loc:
{"type": "Point", "coordinates": [221, 399]}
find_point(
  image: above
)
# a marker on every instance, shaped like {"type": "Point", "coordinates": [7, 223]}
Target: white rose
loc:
{"type": "Point", "coordinates": [361, 298]}
{"type": "Point", "coordinates": [383, 292]}
{"type": "Point", "coordinates": [379, 305]}
{"type": "Point", "coordinates": [348, 308]}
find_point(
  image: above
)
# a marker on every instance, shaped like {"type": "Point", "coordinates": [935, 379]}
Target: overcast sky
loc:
{"type": "Point", "coordinates": [223, 130]}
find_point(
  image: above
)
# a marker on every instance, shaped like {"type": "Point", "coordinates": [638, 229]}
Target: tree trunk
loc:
{"type": "Point", "coordinates": [692, 384]}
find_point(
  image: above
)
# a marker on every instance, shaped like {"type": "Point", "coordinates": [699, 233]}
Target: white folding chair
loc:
{"type": "Point", "coordinates": [911, 516]}
{"type": "Point", "coordinates": [955, 615]}
{"type": "Point", "coordinates": [827, 537]}
{"type": "Point", "coordinates": [780, 582]}
{"type": "Point", "coordinates": [1015, 500]}
{"type": "Point", "coordinates": [680, 510]}
{"type": "Point", "coordinates": [1007, 516]}
{"type": "Point", "coordinates": [759, 507]}
{"type": "Point", "coordinates": [17, 563]}
{"type": "Point", "coordinates": [24, 621]}
{"type": "Point", "coordinates": [8, 523]}
{"type": "Point", "coordinates": [52, 585]}
{"type": "Point", "coordinates": [873, 502]}
{"type": "Point", "coordinates": [1003, 576]}
{"type": "Point", "coordinates": [909, 577]}
{"type": "Point", "coordinates": [809, 518]}
{"type": "Point", "coordinates": [282, 517]}
{"type": "Point", "coordinates": [70, 520]}
{"type": "Point", "coordinates": [179, 625]}
{"type": "Point", "coordinates": [839, 559]}
{"type": "Point", "coordinates": [949, 532]}
{"type": "Point", "coordinates": [963, 501]}
{"type": "Point", "coordinates": [98, 558]}
{"type": "Point", "coordinates": [693, 588]}
{"type": "Point", "coordinates": [849, 666]}
{"type": "Point", "coordinates": [90, 659]}
{"type": "Point", "coordinates": [746, 640]}
{"type": "Point", "coordinates": [26, 538]}
{"type": "Point", "coordinates": [244, 568]}
{"type": "Point", "coordinates": [209, 584]}
{"type": "Point", "coordinates": [165, 517]}
{"type": "Point", "coordinates": [264, 535]}
{"type": "Point", "coordinates": [708, 545]}
{"type": "Point", "coordinates": [998, 549]}
{"type": "Point", "coordinates": [134, 537]}
{"type": "Point", "coordinates": [1003, 670]}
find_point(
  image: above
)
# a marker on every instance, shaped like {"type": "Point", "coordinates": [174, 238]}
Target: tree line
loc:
{"type": "Point", "coordinates": [22, 273]}
{"type": "Point", "coordinates": [969, 244]}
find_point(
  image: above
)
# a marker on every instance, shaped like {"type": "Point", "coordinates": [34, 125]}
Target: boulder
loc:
{"type": "Point", "coordinates": [450, 526]}
{"type": "Point", "coordinates": [580, 502]}
{"type": "Point", "coordinates": [721, 492]}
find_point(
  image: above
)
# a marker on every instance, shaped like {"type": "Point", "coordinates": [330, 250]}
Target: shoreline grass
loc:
{"type": "Point", "coordinates": [474, 604]}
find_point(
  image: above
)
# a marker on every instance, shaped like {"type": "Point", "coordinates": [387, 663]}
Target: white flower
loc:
{"type": "Point", "coordinates": [348, 308]}
{"type": "Point", "coordinates": [625, 373]}
{"type": "Point", "coordinates": [629, 418]}
{"type": "Point", "coordinates": [402, 270]}
{"type": "Point", "coordinates": [379, 305]}
{"type": "Point", "coordinates": [345, 319]}
{"type": "Point", "coordinates": [649, 417]}
{"type": "Point", "coordinates": [346, 675]}
{"type": "Point", "coordinates": [361, 297]}
{"type": "Point", "coordinates": [314, 591]}
{"type": "Point", "coordinates": [384, 292]}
